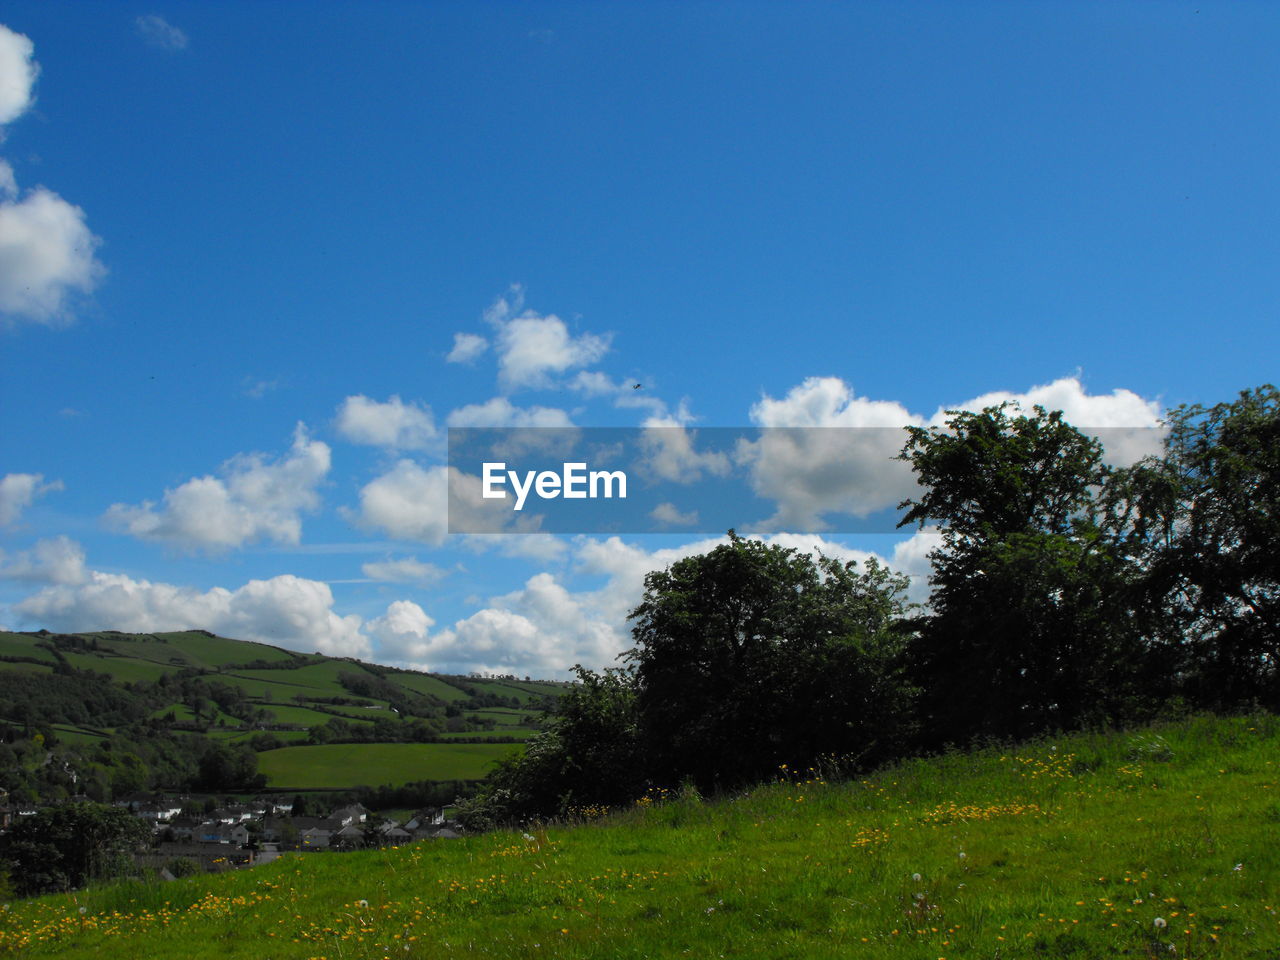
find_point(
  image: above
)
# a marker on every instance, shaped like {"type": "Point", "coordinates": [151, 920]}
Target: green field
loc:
{"type": "Point", "coordinates": [429, 685]}
{"type": "Point", "coordinates": [18, 645]}
{"type": "Point", "coordinates": [523, 733]}
{"type": "Point", "coordinates": [1155, 843]}
{"type": "Point", "coordinates": [372, 764]}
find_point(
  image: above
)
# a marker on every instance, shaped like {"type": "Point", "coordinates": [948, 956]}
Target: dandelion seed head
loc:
{"type": "Point", "coordinates": [1159, 923]}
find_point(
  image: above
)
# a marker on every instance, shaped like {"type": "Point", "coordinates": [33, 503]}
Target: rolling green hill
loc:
{"type": "Point", "coordinates": [243, 692]}
{"type": "Point", "coordinates": [1151, 843]}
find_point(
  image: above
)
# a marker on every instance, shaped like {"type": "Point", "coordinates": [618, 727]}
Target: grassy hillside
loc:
{"type": "Point", "coordinates": [1160, 843]}
{"type": "Point", "coordinates": [282, 690]}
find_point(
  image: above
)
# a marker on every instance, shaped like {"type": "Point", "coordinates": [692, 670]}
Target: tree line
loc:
{"type": "Point", "coordinates": [1065, 593]}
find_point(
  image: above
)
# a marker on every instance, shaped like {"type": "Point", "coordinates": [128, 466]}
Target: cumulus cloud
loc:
{"type": "Point", "coordinates": [394, 424]}
{"type": "Point", "coordinates": [18, 72]}
{"type": "Point", "coordinates": [405, 570]}
{"type": "Point", "coordinates": [18, 491]}
{"type": "Point", "coordinates": [466, 347]}
{"type": "Point", "coordinates": [670, 515]}
{"type": "Point", "coordinates": [541, 629]}
{"type": "Point", "coordinates": [531, 347]}
{"type": "Point", "coordinates": [400, 634]}
{"type": "Point", "coordinates": [47, 252]}
{"type": "Point", "coordinates": [670, 453]}
{"type": "Point", "coordinates": [158, 32]}
{"type": "Point", "coordinates": [410, 502]}
{"type": "Point", "coordinates": [47, 255]}
{"type": "Point", "coordinates": [501, 412]}
{"type": "Point", "coordinates": [1128, 425]}
{"type": "Point", "coordinates": [810, 470]}
{"type": "Point", "coordinates": [59, 560]}
{"type": "Point", "coordinates": [852, 470]}
{"type": "Point", "coordinates": [254, 498]}
{"type": "Point", "coordinates": [286, 610]}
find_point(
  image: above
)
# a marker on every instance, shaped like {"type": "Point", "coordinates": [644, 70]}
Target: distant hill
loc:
{"type": "Point", "coordinates": [282, 703]}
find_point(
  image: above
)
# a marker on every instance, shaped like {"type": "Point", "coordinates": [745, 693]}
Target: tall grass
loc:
{"type": "Point", "coordinates": [1152, 843]}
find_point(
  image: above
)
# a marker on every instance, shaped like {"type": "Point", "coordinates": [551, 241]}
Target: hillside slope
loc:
{"type": "Point", "coordinates": [240, 692]}
{"type": "Point", "coordinates": [1160, 842]}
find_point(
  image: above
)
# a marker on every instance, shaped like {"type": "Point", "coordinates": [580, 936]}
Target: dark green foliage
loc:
{"type": "Point", "coordinates": [1206, 520]}
{"type": "Point", "coordinates": [1030, 627]}
{"type": "Point", "coordinates": [65, 847]}
{"type": "Point", "coordinates": [74, 697]}
{"type": "Point", "coordinates": [753, 655]}
{"type": "Point", "coordinates": [228, 768]}
{"type": "Point", "coordinates": [588, 755]}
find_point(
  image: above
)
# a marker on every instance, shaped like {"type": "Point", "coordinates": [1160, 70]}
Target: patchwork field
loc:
{"type": "Point", "coordinates": [298, 691]}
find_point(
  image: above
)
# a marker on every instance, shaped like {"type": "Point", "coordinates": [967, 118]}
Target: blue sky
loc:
{"type": "Point", "coordinates": [239, 242]}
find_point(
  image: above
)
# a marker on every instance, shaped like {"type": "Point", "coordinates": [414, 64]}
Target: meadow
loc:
{"type": "Point", "coordinates": [1157, 842]}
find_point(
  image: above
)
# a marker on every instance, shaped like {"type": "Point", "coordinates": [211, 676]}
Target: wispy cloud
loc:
{"type": "Point", "coordinates": [156, 31]}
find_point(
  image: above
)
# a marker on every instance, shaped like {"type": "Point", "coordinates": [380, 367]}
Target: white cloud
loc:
{"type": "Point", "coordinates": [669, 514]}
{"type": "Point", "coordinates": [670, 452]}
{"type": "Point", "coordinates": [254, 499]}
{"type": "Point", "coordinates": [257, 388]}
{"type": "Point", "coordinates": [540, 629]}
{"type": "Point", "coordinates": [813, 472]}
{"type": "Point", "coordinates": [18, 72]}
{"type": "Point", "coordinates": [284, 610]}
{"type": "Point", "coordinates": [466, 347]}
{"type": "Point", "coordinates": [60, 560]}
{"type": "Point", "coordinates": [501, 412]}
{"type": "Point", "coordinates": [539, 547]}
{"type": "Point", "coordinates": [1130, 426]}
{"type": "Point", "coordinates": [158, 32]}
{"type": "Point", "coordinates": [409, 502]}
{"type": "Point", "coordinates": [18, 491]}
{"type": "Point", "coordinates": [810, 472]}
{"type": "Point", "coordinates": [395, 424]}
{"type": "Point", "coordinates": [400, 634]}
{"type": "Point", "coordinates": [46, 255]}
{"type": "Point", "coordinates": [531, 347]}
{"type": "Point", "coordinates": [405, 570]}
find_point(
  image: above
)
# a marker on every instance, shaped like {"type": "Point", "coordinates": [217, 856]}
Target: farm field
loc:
{"type": "Point", "coordinates": [1094, 846]}
{"type": "Point", "coordinates": [370, 764]}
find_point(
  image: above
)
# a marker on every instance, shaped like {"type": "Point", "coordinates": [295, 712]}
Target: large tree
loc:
{"type": "Point", "coordinates": [62, 848]}
{"type": "Point", "coordinates": [754, 655]}
{"type": "Point", "coordinates": [1029, 627]}
{"type": "Point", "coordinates": [1206, 517]}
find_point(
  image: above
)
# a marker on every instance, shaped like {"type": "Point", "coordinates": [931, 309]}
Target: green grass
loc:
{"type": "Point", "coordinates": [78, 735]}
{"type": "Point", "coordinates": [27, 667]}
{"type": "Point", "coordinates": [18, 645]}
{"type": "Point", "coordinates": [1067, 853]}
{"type": "Point", "coordinates": [124, 669]}
{"type": "Point", "coordinates": [299, 715]}
{"type": "Point", "coordinates": [371, 764]}
{"type": "Point", "coordinates": [425, 684]}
